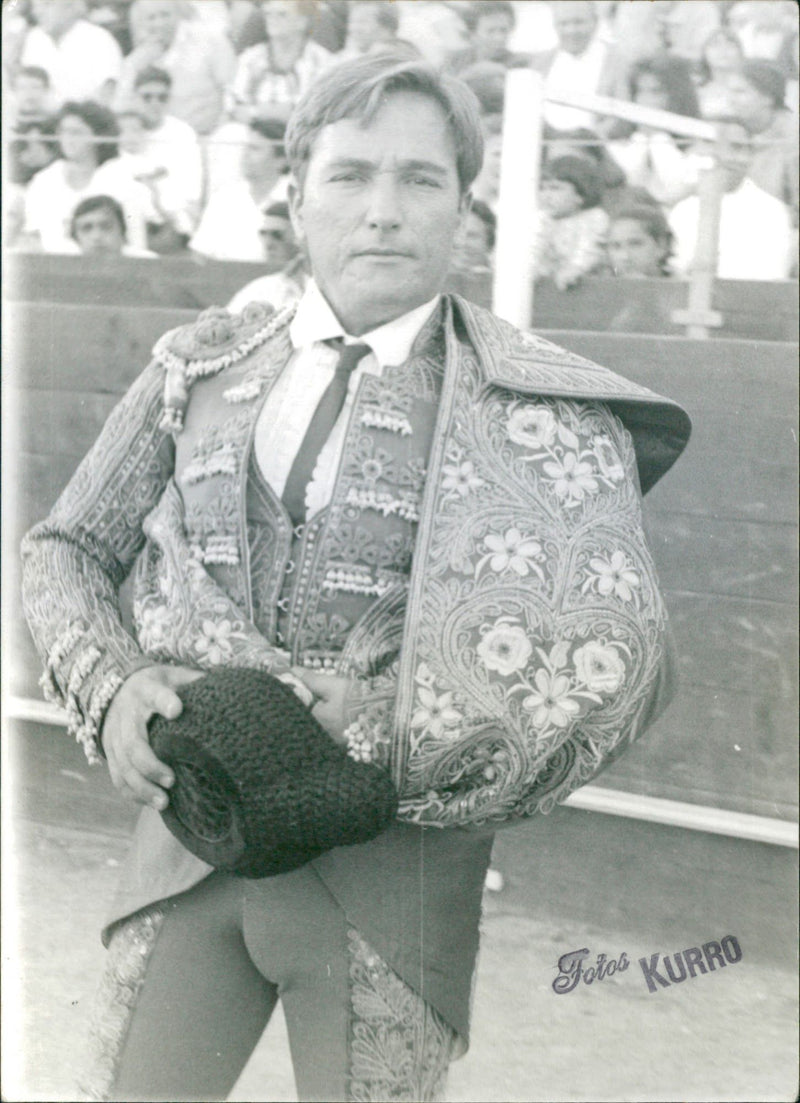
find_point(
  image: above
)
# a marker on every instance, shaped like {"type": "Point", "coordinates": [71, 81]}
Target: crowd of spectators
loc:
{"type": "Point", "coordinates": [155, 127]}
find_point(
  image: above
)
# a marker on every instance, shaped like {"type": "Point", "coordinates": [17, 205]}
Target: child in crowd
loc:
{"type": "Point", "coordinates": [639, 243]}
{"type": "Point", "coordinates": [571, 224]}
{"type": "Point", "coordinates": [475, 242]}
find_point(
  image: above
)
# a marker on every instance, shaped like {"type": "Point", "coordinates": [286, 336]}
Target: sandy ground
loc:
{"type": "Point", "coordinates": [573, 879]}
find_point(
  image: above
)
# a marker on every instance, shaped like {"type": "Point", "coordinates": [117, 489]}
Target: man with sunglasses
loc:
{"type": "Point", "coordinates": [173, 148]}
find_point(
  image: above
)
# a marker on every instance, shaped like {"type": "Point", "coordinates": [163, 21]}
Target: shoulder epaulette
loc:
{"type": "Point", "coordinates": [206, 346]}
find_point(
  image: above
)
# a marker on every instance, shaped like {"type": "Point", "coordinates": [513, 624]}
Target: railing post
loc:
{"type": "Point", "coordinates": [699, 316]}
{"type": "Point", "coordinates": [512, 291]}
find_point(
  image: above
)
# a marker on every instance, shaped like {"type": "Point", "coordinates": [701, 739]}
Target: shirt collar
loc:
{"type": "Point", "coordinates": [391, 343]}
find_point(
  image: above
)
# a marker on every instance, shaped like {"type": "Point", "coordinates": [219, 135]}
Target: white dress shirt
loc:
{"type": "Point", "coordinates": [755, 235]}
{"type": "Point", "coordinates": [291, 403]}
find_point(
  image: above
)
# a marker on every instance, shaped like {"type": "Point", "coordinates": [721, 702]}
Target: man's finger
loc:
{"type": "Point", "coordinates": [140, 789]}
{"type": "Point", "coordinates": [144, 759]}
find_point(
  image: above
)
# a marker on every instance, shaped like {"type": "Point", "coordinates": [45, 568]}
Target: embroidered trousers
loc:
{"type": "Point", "coordinates": [191, 983]}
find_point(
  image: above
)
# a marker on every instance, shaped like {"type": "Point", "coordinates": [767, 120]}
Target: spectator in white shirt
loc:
{"type": "Point", "coordinates": [755, 230]}
{"type": "Point", "coordinates": [286, 272]}
{"type": "Point", "coordinates": [200, 61]}
{"type": "Point", "coordinates": [230, 224]}
{"type": "Point", "coordinates": [653, 159]}
{"type": "Point", "coordinates": [582, 62]}
{"type": "Point", "coordinates": [82, 60]}
{"type": "Point", "coordinates": [171, 147]}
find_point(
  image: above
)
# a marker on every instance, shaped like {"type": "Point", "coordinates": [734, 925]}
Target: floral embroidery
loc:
{"type": "Point", "coordinates": [607, 458]}
{"type": "Point", "coordinates": [612, 575]}
{"type": "Point", "coordinates": [532, 427]}
{"type": "Point", "coordinates": [574, 478]}
{"type": "Point", "coordinates": [599, 667]}
{"type": "Point", "coordinates": [215, 643]}
{"type": "Point", "coordinates": [436, 714]}
{"type": "Point", "coordinates": [511, 551]}
{"type": "Point", "coordinates": [400, 1046]}
{"type": "Point", "coordinates": [460, 476]}
{"type": "Point", "coordinates": [505, 648]}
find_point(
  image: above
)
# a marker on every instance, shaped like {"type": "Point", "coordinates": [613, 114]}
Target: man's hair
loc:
{"type": "Point", "coordinates": [478, 9]}
{"type": "Point", "coordinates": [101, 122]}
{"type": "Point", "coordinates": [581, 173]}
{"type": "Point", "coordinates": [152, 74]}
{"type": "Point", "coordinates": [487, 216]}
{"type": "Point", "coordinates": [98, 203]}
{"type": "Point", "coordinates": [35, 72]}
{"type": "Point", "coordinates": [357, 89]}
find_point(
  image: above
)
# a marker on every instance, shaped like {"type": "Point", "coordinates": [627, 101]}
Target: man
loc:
{"type": "Point", "coordinates": [170, 149]}
{"type": "Point", "coordinates": [371, 25]}
{"type": "Point", "coordinates": [756, 95]}
{"type": "Point", "coordinates": [755, 229]}
{"type": "Point", "coordinates": [81, 59]}
{"type": "Point", "coordinates": [30, 101]}
{"type": "Point", "coordinates": [582, 62]}
{"type": "Point", "coordinates": [455, 569]}
{"type": "Point", "coordinates": [200, 62]}
{"type": "Point", "coordinates": [233, 217]}
{"type": "Point", "coordinates": [286, 276]}
{"type": "Point", "coordinates": [98, 229]}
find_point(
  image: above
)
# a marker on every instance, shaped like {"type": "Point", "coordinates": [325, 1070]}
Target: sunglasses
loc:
{"type": "Point", "coordinates": [154, 97]}
{"type": "Point", "coordinates": [274, 235]}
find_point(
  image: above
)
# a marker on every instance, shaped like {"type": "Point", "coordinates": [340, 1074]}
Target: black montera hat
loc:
{"type": "Point", "coordinates": [260, 787]}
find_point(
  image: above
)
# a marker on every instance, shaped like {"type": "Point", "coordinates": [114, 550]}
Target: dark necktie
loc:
{"type": "Point", "coordinates": [319, 429]}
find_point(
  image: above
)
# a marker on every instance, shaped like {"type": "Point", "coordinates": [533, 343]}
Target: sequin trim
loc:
{"type": "Point", "coordinates": [129, 953]}
{"type": "Point", "coordinates": [400, 1046]}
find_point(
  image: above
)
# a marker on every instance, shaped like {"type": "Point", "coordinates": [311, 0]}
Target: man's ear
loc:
{"type": "Point", "coordinates": [294, 197]}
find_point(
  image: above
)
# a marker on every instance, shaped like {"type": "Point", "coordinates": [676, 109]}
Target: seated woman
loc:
{"type": "Point", "coordinates": [86, 165]}
{"type": "Point", "coordinates": [721, 57]}
{"type": "Point", "coordinates": [639, 243]}
{"type": "Point", "coordinates": [650, 158]}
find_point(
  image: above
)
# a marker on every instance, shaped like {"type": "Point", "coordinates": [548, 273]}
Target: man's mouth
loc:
{"type": "Point", "coordinates": [379, 252]}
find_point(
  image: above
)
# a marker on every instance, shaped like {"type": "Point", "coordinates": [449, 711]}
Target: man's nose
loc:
{"type": "Point", "coordinates": [384, 210]}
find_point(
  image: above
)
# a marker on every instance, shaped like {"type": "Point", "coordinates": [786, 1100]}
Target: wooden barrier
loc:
{"type": "Point", "coordinates": [722, 527]}
{"type": "Point", "coordinates": [763, 311]}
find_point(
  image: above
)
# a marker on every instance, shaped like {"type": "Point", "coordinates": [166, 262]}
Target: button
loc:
{"type": "Point", "coordinates": [290, 567]}
{"type": "Point", "coordinates": [283, 604]}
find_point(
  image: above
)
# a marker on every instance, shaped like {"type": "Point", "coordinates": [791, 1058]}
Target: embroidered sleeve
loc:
{"type": "Point", "coordinates": [75, 561]}
{"type": "Point", "coordinates": [539, 646]}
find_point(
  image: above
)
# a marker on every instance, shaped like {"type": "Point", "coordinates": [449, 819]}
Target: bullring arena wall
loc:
{"type": "Point", "coordinates": [722, 523]}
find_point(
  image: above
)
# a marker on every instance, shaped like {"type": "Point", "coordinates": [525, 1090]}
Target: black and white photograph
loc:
{"type": "Point", "coordinates": [400, 560]}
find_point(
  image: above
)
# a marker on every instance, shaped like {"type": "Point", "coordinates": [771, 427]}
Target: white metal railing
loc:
{"type": "Point", "coordinates": [514, 275]}
{"type": "Point", "coordinates": [590, 798]}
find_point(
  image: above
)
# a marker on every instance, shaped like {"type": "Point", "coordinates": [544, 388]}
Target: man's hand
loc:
{"type": "Point", "coordinates": [331, 692]}
{"type": "Point", "coordinates": [133, 766]}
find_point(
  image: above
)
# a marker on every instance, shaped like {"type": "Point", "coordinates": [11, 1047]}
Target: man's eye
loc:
{"type": "Point", "coordinates": [346, 178]}
{"type": "Point", "coordinates": [425, 182]}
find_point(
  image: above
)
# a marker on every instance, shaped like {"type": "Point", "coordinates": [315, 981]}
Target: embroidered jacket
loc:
{"type": "Point", "coordinates": [525, 649]}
